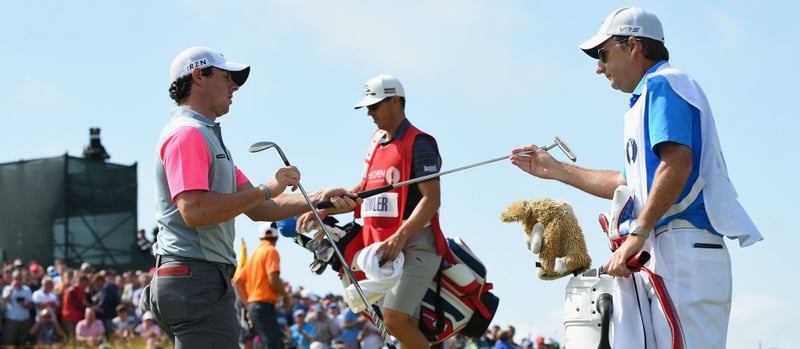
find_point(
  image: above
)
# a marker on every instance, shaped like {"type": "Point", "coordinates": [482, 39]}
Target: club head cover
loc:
{"type": "Point", "coordinates": [287, 227]}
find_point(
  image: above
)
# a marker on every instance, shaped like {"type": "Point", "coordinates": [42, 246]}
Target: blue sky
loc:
{"type": "Point", "coordinates": [483, 77]}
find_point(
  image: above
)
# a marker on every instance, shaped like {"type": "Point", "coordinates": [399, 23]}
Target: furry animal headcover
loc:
{"type": "Point", "coordinates": [552, 232]}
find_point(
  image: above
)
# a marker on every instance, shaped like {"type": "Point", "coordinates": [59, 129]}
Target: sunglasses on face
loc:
{"type": "Point", "coordinates": [377, 105]}
{"type": "Point", "coordinates": [601, 52]}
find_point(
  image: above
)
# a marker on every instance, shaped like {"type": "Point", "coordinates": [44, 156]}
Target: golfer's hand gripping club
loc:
{"type": "Point", "coordinates": [558, 142]}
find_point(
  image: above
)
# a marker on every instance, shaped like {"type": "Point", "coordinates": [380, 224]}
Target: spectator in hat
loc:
{"type": "Point", "coordinates": [350, 323]}
{"type": "Point", "coordinates": [404, 219]}
{"type": "Point", "coordinates": [200, 192]}
{"type": "Point", "coordinates": [46, 330]}
{"type": "Point", "coordinates": [326, 328]}
{"type": "Point", "coordinates": [148, 330]}
{"type": "Point", "coordinates": [260, 287]}
{"type": "Point", "coordinates": [18, 263]}
{"type": "Point", "coordinates": [86, 269]}
{"type": "Point", "coordinates": [36, 272]}
{"type": "Point", "coordinates": [302, 332]}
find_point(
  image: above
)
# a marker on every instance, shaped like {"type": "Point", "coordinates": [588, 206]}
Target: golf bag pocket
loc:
{"type": "Point", "coordinates": [458, 299]}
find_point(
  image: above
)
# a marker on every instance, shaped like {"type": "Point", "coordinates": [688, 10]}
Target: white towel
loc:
{"type": "Point", "coordinates": [380, 279]}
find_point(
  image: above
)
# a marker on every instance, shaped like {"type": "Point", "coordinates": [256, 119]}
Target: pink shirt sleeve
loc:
{"type": "Point", "coordinates": [186, 162]}
{"type": "Point", "coordinates": [240, 177]}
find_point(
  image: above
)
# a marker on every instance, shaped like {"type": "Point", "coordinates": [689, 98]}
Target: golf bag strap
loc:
{"type": "Point", "coordinates": [666, 304]}
{"type": "Point", "coordinates": [442, 248]}
{"type": "Point", "coordinates": [440, 320]}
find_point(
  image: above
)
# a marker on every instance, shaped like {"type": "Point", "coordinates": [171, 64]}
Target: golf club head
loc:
{"type": "Point", "coordinates": [259, 146]}
{"type": "Point", "coordinates": [566, 149]}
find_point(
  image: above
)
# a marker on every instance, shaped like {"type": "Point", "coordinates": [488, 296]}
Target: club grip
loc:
{"type": "Point", "coordinates": [364, 194]}
{"type": "Point", "coordinates": [635, 263]}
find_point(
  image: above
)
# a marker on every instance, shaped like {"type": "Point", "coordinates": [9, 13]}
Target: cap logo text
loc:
{"type": "Point", "coordinates": [628, 29]}
{"type": "Point", "coordinates": [196, 64]}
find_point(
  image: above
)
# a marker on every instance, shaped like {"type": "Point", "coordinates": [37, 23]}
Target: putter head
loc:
{"type": "Point", "coordinates": [259, 146]}
{"type": "Point", "coordinates": [566, 149]}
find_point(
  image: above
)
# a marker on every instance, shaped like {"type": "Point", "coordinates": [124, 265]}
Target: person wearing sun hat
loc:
{"type": "Point", "coordinates": [683, 202]}
{"type": "Point", "coordinates": [260, 287]}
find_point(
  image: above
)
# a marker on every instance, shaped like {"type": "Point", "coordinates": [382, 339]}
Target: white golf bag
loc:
{"type": "Point", "coordinates": [587, 310]}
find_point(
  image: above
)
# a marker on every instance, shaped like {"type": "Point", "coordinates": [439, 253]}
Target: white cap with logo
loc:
{"type": "Point", "coordinates": [204, 57]}
{"type": "Point", "coordinates": [378, 88]}
{"type": "Point", "coordinates": [626, 21]}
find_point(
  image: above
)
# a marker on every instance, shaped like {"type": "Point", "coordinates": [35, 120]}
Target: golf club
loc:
{"type": "Point", "coordinates": [558, 142]}
{"type": "Point", "coordinates": [376, 318]}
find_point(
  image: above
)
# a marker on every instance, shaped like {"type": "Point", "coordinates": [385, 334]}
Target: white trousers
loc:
{"type": "Point", "coordinates": [696, 269]}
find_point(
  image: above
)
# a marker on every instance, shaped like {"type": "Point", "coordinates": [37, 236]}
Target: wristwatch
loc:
{"type": "Point", "coordinates": [638, 230]}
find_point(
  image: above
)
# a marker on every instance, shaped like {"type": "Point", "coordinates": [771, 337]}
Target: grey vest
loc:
{"type": "Point", "coordinates": [212, 243]}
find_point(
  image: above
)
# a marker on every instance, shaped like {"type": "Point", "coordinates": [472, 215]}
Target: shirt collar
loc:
{"type": "Point", "coordinates": [398, 133]}
{"type": "Point", "coordinates": [187, 112]}
{"type": "Point", "coordinates": [638, 90]}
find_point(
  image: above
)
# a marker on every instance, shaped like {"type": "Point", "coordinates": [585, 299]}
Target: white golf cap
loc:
{"type": "Point", "coordinates": [204, 57]}
{"type": "Point", "coordinates": [378, 88]}
{"type": "Point", "coordinates": [626, 21]}
{"type": "Point", "coordinates": [267, 231]}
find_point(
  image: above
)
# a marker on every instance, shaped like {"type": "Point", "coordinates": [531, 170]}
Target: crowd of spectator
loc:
{"type": "Point", "coordinates": [325, 322]}
{"type": "Point", "coordinates": [59, 306]}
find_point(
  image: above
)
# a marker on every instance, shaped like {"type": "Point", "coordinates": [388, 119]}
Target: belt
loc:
{"type": "Point", "coordinates": [674, 224]}
{"type": "Point", "coordinates": [162, 259]}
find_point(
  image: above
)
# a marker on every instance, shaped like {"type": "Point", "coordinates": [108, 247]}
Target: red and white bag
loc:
{"type": "Point", "coordinates": [458, 299]}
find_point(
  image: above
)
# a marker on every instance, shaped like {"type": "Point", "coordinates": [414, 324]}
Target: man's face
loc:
{"type": "Point", "coordinates": [48, 286]}
{"type": "Point", "coordinates": [383, 113]}
{"type": "Point", "coordinates": [220, 88]}
{"type": "Point", "coordinates": [615, 63]}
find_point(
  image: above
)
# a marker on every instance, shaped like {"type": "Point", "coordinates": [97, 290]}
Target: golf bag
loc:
{"type": "Point", "coordinates": [587, 310]}
{"type": "Point", "coordinates": [457, 300]}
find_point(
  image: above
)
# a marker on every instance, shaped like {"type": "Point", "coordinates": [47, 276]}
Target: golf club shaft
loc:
{"type": "Point", "coordinates": [385, 188]}
{"type": "Point", "coordinates": [375, 317]}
